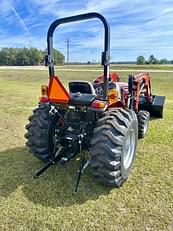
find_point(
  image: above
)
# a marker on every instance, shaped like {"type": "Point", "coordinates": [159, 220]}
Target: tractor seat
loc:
{"type": "Point", "coordinates": [81, 92]}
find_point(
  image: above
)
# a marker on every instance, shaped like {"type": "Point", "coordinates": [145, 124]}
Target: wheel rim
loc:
{"type": "Point", "coordinates": [145, 126]}
{"type": "Point", "coordinates": [129, 149]}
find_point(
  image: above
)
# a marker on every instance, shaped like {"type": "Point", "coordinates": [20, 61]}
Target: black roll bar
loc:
{"type": "Point", "coordinates": [105, 53]}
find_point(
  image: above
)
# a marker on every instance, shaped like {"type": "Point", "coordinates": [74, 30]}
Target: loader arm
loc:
{"type": "Point", "coordinates": [141, 86]}
{"type": "Point", "coordinates": [141, 97]}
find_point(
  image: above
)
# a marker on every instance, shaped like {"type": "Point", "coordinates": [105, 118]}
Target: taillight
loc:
{"type": "Point", "coordinates": [98, 104]}
{"type": "Point", "coordinates": [113, 96]}
{"type": "Point", "coordinates": [44, 93]}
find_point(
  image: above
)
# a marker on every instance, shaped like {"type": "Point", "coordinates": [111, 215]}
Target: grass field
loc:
{"type": "Point", "coordinates": [122, 67]}
{"type": "Point", "coordinates": [145, 202]}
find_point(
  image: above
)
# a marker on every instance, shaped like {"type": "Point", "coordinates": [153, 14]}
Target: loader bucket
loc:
{"type": "Point", "coordinates": [157, 106]}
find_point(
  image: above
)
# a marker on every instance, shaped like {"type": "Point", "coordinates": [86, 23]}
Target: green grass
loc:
{"type": "Point", "coordinates": [121, 67]}
{"type": "Point", "coordinates": [145, 202]}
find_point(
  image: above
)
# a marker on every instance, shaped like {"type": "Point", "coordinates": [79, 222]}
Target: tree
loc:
{"type": "Point", "coordinates": [26, 56]}
{"type": "Point", "coordinates": [58, 57]}
{"type": "Point", "coordinates": [164, 61]}
{"type": "Point", "coordinates": [140, 60]}
{"type": "Point", "coordinates": [4, 56]}
{"type": "Point", "coordinates": [152, 60]}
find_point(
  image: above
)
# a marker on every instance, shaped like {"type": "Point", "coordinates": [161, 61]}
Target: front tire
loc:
{"type": "Point", "coordinates": [113, 146]}
{"type": "Point", "coordinates": [143, 122]}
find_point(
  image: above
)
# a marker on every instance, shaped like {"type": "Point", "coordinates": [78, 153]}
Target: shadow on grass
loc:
{"type": "Point", "coordinates": [54, 188]}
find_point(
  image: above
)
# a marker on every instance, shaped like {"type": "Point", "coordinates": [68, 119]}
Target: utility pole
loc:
{"type": "Point", "coordinates": [68, 49]}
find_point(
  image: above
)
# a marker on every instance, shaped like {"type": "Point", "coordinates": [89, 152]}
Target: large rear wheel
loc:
{"type": "Point", "coordinates": [113, 147]}
{"type": "Point", "coordinates": [41, 132]}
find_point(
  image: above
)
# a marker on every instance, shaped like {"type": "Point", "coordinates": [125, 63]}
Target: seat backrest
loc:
{"type": "Point", "coordinates": [84, 87]}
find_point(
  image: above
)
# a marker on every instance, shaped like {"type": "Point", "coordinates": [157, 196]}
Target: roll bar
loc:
{"type": "Point", "coordinates": [105, 53]}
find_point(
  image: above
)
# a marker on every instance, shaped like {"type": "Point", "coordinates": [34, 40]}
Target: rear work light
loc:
{"type": "Point", "coordinates": [98, 104]}
{"type": "Point", "coordinates": [44, 93]}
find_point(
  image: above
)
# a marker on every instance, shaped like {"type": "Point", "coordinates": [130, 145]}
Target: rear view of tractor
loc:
{"type": "Point", "coordinates": [104, 118]}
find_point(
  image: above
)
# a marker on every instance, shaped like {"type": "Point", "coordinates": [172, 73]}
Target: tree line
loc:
{"type": "Point", "coordinates": [152, 60]}
{"type": "Point", "coordinates": [27, 56]}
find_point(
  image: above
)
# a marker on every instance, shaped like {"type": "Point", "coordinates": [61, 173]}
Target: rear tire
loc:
{"type": "Point", "coordinates": [40, 132]}
{"type": "Point", "coordinates": [143, 122]}
{"type": "Point", "coordinates": [113, 146]}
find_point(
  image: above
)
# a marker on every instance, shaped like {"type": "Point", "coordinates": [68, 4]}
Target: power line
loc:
{"type": "Point", "coordinates": [68, 49]}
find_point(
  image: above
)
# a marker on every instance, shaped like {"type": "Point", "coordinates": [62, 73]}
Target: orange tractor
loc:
{"type": "Point", "coordinates": [104, 118]}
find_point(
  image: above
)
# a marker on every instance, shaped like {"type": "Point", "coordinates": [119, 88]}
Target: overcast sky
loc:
{"type": "Point", "coordinates": [137, 27]}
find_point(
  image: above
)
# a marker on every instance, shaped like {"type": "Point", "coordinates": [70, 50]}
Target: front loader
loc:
{"type": "Point", "coordinates": [104, 118]}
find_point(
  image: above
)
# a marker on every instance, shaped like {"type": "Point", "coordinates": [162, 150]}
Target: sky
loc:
{"type": "Point", "coordinates": [138, 27]}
